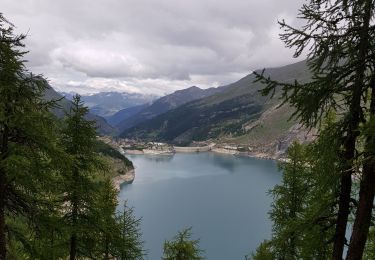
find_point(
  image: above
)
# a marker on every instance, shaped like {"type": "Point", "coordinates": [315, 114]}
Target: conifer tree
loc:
{"type": "Point", "coordinates": [182, 247]}
{"type": "Point", "coordinates": [78, 186]}
{"type": "Point", "coordinates": [53, 203]}
{"type": "Point", "coordinates": [339, 40]}
{"type": "Point", "coordinates": [26, 136]}
{"type": "Point", "coordinates": [289, 200]}
{"type": "Point", "coordinates": [365, 207]}
{"type": "Point", "coordinates": [105, 228]}
{"type": "Point", "coordinates": [115, 235]}
{"type": "Point", "coordinates": [303, 211]}
{"type": "Point", "coordinates": [128, 243]}
{"type": "Point", "coordinates": [263, 252]}
{"type": "Point", "coordinates": [318, 218]}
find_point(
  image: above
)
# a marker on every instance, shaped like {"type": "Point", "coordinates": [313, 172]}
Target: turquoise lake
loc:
{"type": "Point", "coordinates": [222, 197]}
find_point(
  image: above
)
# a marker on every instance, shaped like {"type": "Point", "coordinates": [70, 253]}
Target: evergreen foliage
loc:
{"type": "Point", "coordinates": [338, 37]}
{"type": "Point", "coordinates": [201, 122]}
{"type": "Point", "coordinates": [106, 149]}
{"type": "Point", "coordinates": [79, 188]}
{"type": "Point", "coordinates": [304, 207]}
{"type": "Point", "coordinates": [288, 205]}
{"type": "Point", "coordinates": [27, 145]}
{"type": "Point", "coordinates": [117, 235]}
{"type": "Point", "coordinates": [182, 247]}
{"type": "Point", "coordinates": [129, 244]}
{"type": "Point", "coordinates": [263, 252]}
{"type": "Point", "coordinates": [370, 246]}
{"type": "Point", "coordinates": [55, 198]}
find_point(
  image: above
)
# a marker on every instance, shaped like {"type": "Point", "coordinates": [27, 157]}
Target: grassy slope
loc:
{"type": "Point", "coordinates": [273, 127]}
{"type": "Point", "coordinates": [224, 115]}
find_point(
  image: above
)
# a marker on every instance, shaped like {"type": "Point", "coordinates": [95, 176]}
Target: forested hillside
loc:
{"type": "Point", "coordinates": [231, 115]}
{"type": "Point", "coordinates": [165, 104]}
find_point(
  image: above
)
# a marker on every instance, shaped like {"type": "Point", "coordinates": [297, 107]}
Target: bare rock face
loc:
{"type": "Point", "coordinates": [296, 133]}
{"type": "Point", "coordinates": [121, 174]}
{"type": "Point", "coordinates": [127, 177]}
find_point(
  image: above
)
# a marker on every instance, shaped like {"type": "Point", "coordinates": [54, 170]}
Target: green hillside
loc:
{"type": "Point", "coordinates": [164, 104]}
{"type": "Point", "coordinates": [226, 115]}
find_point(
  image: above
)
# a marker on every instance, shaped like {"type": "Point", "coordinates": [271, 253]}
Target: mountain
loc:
{"type": "Point", "coordinates": [165, 104]}
{"type": "Point", "coordinates": [64, 105]}
{"type": "Point", "coordinates": [238, 114]}
{"type": "Point", "coordinates": [106, 104]}
{"type": "Point", "coordinates": [124, 114]}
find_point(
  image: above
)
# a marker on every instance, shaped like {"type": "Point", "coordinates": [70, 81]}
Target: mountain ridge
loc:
{"type": "Point", "coordinates": [165, 104]}
{"type": "Point", "coordinates": [108, 103]}
{"type": "Point", "coordinates": [64, 105]}
{"type": "Point", "coordinates": [224, 116]}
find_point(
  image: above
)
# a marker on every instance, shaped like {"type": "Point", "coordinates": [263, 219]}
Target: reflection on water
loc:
{"type": "Point", "coordinates": [224, 161]}
{"type": "Point", "coordinates": [227, 162]}
{"type": "Point", "coordinates": [224, 198]}
{"type": "Point", "coordinates": [159, 158]}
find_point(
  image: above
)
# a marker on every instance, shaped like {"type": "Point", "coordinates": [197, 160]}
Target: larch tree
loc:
{"type": "Point", "coordinates": [288, 204]}
{"type": "Point", "coordinates": [317, 221]}
{"type": "Point", "coordinates": [79, 187]}
{"type": "Point", "coordinates": [53, 201]}
{"type": "Point", "coordinates": [105, 228]}
{"type": "Point", "coordinates": [338, 37]}
{"type": "Point", "coordinates": [303, 210]}
{"type": "Point", "coordinates": [182, 247]}
{"type": "Point", "coordinates": [129, 243]}
{"type": "Point", "coordinates": [263, 252]}
{"type": "Point", "coordinates": [26, 136]}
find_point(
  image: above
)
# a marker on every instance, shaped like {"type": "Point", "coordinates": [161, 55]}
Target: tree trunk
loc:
{"type": "Point", "coordinates": [363, 215]}
{"type": "Point", "coordinates": [73, 247]}
{"type": "Point", "coordinates": [2, 216]}
{"type": "Point", "coordinates": [3, 183]}
{"type": "Point", "coordinates": [355, 115]}
{"type": "Point", "coordinates": [346, 173]}
{"type": "Point", "coordinates": [342, 218]}
{"type": "Point", "coordinates": [106, 248]}
{"type": "Point", "coordinates": [73, 238]}
{"type": "Point", "coordinates": [366, 194]}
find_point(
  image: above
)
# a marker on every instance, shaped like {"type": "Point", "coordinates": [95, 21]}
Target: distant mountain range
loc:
{"type": "Point", "coordinates": [161, 106]}
{"type": "Point", "coordinates": [235, 113]}
{"type": "Point", "coordinates": [124, 114]}
{"type": "Point", "coordinates": [106, 104]}
{"type": "Point", "coordinates": [64, 106]}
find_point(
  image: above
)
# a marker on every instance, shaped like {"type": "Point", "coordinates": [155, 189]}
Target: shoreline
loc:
{"type": "Point", "coordinates": [259, 155]}
{"type": "Point", "coordinates": [121, 179]}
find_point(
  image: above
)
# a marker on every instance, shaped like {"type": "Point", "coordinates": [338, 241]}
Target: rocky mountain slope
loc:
{"type": "Point", "coordinates": [165, 104]}
{"type": "Point", "coordinates": [238, 115]}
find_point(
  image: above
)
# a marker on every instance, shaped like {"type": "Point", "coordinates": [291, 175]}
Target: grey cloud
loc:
{"type": "Point", "coordinates": [161, 45]}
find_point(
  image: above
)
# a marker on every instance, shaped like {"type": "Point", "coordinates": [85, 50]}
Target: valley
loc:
{"type": "Point", "coordinates": [186, 130]}
{"type": "Point", "coordinates": [235, 115]}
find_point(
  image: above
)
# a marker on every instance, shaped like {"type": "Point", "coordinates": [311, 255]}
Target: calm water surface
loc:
{"type": "Point", "coordinates": [222, 197]}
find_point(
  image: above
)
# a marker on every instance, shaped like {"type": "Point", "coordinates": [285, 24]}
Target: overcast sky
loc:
{"type": "Point", "coordinates": [150, 46]}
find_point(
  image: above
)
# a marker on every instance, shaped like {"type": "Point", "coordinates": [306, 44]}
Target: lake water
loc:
{"type": "Point", "coordinates": [222, 197]}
